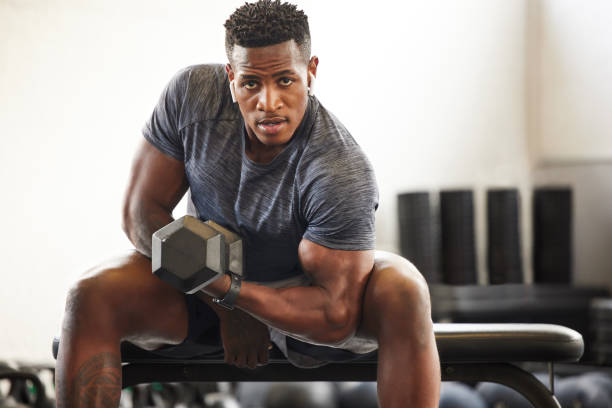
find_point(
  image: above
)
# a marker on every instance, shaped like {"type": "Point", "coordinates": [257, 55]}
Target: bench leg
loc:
{"type": "Point", "coordinates": [506, 374]}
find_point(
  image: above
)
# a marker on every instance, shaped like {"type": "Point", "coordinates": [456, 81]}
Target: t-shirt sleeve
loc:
{"type": "Point", "coordinates": [340, 204]}
{"type": "Point", "coordinates": [162, 129]}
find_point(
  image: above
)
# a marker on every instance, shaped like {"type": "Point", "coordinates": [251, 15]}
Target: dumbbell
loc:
{"type": "Point", "coordinates": [190, 254]}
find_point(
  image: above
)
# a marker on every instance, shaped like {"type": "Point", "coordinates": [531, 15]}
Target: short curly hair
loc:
{"type": "Point", "coordinates": [267, 22]}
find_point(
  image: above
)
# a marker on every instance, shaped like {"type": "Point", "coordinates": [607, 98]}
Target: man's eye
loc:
{"type": "Point", "coordinates": [286, 81]}
{"type": "Point", "coordinates": [249, 84]}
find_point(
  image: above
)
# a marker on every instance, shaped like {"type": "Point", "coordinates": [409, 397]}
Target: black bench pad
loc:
{"type": "Point", "coordinates": [457, 343]}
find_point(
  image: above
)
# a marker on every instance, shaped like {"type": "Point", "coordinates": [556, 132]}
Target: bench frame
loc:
{"type": "Point", "coordinates": [468, 352]}
{"type": "Point", "coordinates": [281, 371]}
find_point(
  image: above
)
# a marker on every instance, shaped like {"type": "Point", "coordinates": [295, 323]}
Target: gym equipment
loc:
{"type": "Point", "coordinates": [552, 235]}
{"type": "Point", "coordinates": [251, 394]}
{"type": "Point", "coordinates": [458, 239]}
{"type": "Point", "coordinates": [220, 400]}
{"type": "Point", "coordinates": [497, 395]}
{"type": "Point", "coordinates": [185, 394]}
{"type": "Point", "coordinates": [25, 387]}
{"type": "Point", "coordinates": [419, 230]}
{"type": "Point", "coordinates": [468, 352]}
{"type": "Point", "coordinates": [190, 254]}
{"type": "Point", "coordinates": [459, 395]}
{"type": "Point", "coordinates": [590, 390]}
{"type": "Point", "coordinates": [504, 244]}
{"type": "Point", "coordinates": [601, 330]}
{"type": "Point", "coordinates": [301, 395]}
{"type": "Point", "coordinates": [518, 303]}
{"type": "Point", "coordinates": [362, 395]}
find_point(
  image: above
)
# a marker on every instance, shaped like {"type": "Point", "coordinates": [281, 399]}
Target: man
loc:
{"type": "Point", "coordinates": [261, 156]}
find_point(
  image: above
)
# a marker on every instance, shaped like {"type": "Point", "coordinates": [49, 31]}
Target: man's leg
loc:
{"type": "Point", "coordinates": [120, 300]}
{"type": "Point", "coordinates": [397, 312]}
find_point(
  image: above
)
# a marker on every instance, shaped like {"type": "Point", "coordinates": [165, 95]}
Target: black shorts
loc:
{"type": "Point", "coordinates": [204, 339]}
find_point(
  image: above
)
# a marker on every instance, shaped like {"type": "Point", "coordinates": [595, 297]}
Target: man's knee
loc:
{"type": "Point", "coordinates": [398, 286]}
{"type": "Point", "coordinates": [397, 299]}
{"type": "Point", "coordinates": [105, 293]}
{"type": "Point", "coordinates": [123, 299]}
{"type": "Point", "coordinates": [90, 300]}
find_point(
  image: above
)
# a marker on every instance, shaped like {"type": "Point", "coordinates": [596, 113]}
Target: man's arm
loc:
{"type": "Point", "coordinates": [327, 312]}
{"type": "Point", "coordinates": [156, 185]}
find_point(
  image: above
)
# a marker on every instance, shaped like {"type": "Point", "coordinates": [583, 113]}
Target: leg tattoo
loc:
{"type": "Point", "coordinates": [97, 383]}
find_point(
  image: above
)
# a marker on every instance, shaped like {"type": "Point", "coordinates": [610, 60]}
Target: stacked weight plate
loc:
{"type": "Point", "coordinates": [504, 244]}
{"type": "Point", "coordinates": [601, 329]}
{"type": "Point", "coordinates": [457, 236]}
{"type": "Point", "coordinates": [419, 234]}
{"type": "Point", "coordinates": [552, 239]}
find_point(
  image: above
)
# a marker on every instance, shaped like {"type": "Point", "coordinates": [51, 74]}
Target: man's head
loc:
{"type": "Point", "coordinates": [264, 23]}
{"type": "Point", "coordinates": [270, 70]}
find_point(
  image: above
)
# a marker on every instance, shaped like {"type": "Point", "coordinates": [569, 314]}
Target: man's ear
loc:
{"type": "Point", "coordinates": [312, 67]}
{"type": "Point", "coordinates": [230, 72]}
{"type": "Point", "coordinates": [230, 76]}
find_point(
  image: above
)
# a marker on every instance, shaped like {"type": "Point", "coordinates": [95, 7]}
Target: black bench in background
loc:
{"type": "Point", "coordinates": [559, 304]}
{"type": "Point", "coordinates": [468, 352]}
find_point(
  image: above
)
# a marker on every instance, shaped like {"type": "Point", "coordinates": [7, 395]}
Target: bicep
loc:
{"type": "Point", "coordinates": [156, 179]}
{"type": "Point", "coordinates": [343, 274]}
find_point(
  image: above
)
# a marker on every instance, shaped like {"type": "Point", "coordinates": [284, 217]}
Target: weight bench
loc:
{"type": "Point", "coordinates": [468, 352]}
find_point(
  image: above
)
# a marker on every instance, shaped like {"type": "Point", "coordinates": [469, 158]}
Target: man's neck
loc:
{"type": "Point", "coordinates": [259, 152]}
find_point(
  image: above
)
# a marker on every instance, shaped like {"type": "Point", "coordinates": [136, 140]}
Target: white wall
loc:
{"type": "Point", "coordinates": [570, 126]}
{"type": "Point", "coordinates": [434, 91]}
{"type": "Point", "coordinates": [572, 70]}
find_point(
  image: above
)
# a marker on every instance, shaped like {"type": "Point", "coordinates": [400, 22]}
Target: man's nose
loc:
{"type": "Point", "coordinates": [269, 100]}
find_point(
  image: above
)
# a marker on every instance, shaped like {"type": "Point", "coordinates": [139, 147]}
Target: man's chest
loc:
{"type": "Point", "coordinates": [252, 199]}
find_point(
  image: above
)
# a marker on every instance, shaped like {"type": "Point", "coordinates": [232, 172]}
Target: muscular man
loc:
{"type": "Point", "coordinates": [260, 155]}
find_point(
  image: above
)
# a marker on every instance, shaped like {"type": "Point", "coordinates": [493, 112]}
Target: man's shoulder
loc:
{"type": "Point", "coordinates": [203, 80]}
{"type": "Point", "coordinates": [332, 151]}
{"type": "Point", "coordinates": [200, 71]}
{"type": "Point", "coordinates": [205, 93]}
{"type": "Point", "coordinates": [330, 139]}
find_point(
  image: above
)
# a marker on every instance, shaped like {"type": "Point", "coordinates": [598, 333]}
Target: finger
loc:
{"type": "Point", "coordinates": [232, 358]}
{"type": "Point", "coordinates": [252, 360]}
{"type": "Point", "coordinates": [262, 356]}
{"type": "Point", "coordinates": [240, 360]}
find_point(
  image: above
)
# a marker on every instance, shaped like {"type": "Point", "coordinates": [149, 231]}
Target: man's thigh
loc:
{"type": "Point", "coordinates": [203, 334]}
{"type": "Point", "coordinates": [123, 295]}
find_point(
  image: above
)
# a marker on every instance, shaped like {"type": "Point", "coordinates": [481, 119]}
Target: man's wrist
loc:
{"type": "Point", "coordinates": [221, 312]}
{"type": "Point", "coordinates": [231, 296]}
{"type": "Point", "coordinates": [219, 287]}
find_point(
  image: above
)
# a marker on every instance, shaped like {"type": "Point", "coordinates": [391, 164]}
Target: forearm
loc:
{"type": "Point", "coordinates": [141, 222]}
{"type": "Point", "coordinates": [309, 312]}
{"type": "Point", "coordinates": [155, 186]}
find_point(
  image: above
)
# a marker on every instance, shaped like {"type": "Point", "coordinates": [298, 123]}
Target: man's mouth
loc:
{"type": "Point", "coordinates": [271, 126]}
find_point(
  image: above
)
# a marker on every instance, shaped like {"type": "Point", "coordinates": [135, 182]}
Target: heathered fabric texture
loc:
{"type": "Point", "coordinates": [320, 187]}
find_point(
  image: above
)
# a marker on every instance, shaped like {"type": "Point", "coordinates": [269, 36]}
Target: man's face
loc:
{"type": "Point", "coordinates": [271, 88]}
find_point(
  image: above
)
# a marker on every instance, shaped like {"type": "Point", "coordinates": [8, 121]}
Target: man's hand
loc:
{"type": "Point", "coordinates": [246, 340]}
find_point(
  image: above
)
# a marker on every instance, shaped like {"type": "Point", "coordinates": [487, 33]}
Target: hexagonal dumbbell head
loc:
{"type": "Point", "coordinates": [234, 249]}
{"type": "Point", "coordinates": [188, 254]}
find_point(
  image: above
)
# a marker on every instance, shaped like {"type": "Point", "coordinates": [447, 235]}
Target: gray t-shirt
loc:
{"type": "Point", "coordinates": [320, 187]}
